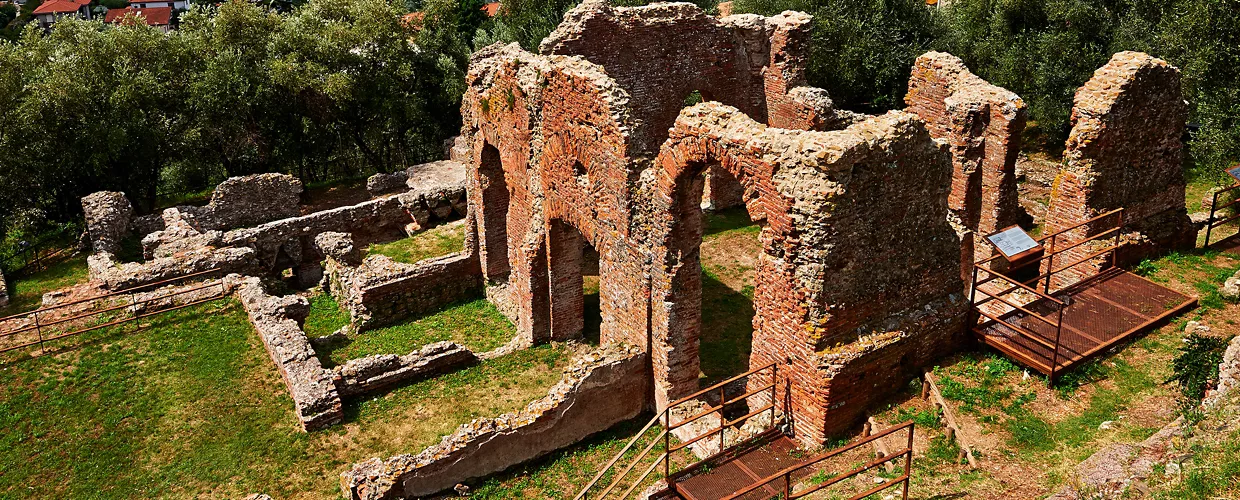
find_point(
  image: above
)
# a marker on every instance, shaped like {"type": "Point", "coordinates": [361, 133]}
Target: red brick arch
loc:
{"type": "Point", "coordinates": [676, 288]}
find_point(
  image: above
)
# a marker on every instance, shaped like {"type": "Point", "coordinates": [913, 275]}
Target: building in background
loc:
{"type": "Point", "coordinates": [159, 17]}
{"type": "Point", "coordinates": [47, 13]}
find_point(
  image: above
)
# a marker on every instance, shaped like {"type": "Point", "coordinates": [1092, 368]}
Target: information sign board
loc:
{"type": "Point", "coordinates": [1014, 243]}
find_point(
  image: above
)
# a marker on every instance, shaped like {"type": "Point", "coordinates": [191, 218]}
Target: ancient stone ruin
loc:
{"type": "Point", "coordinates": [982, 125]}
{"type": "Point", "coordinates": [597, 176]}
{"type": "Point", "coordinates": [1125, 151]}
{"type": "Point", "coordinates": [587, 150]}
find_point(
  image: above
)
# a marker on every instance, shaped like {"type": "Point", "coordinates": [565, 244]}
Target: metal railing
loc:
{"type": "Point", "coordinates": [33, 256]}
{"type": "Point", "coordinates": [1042, 281]}
{"type": "Point", "coordinates": [786, 476]}
{"type": "Point", "coordinates": [47, 326]}
{"type": "Point", "coordinates": [664, 436]}
{"type": "Point", "coordinates": [1213, 221]}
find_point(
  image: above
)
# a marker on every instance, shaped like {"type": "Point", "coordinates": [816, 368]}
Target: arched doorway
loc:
{"type": "Point", "coordinates": [494, 217]}
{"type": "Point", "coordinates": [713, 256]}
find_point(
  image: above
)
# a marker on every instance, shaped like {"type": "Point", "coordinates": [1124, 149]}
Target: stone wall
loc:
{"type": "Point", "coordinates": [600, 389]}
{"type": "Point", "coordinates": [183, 240]}
{"type": "Point", "coordinates": [661, 53]}
{"type": "Point", "coordinates": [379, 291]}
{"type": "Point", "coordinates": [278, 321]}
{"type": "Point", "coordinates": [372, 373]}
{"type": "Point", "coordinates": [115, 275]}
{"type": "Point", "coordinates": [858, 282]}
{"type": "Point", "coordinates": [982, 124]}
{"type": "Point", "coordinates": [247, 201]}
{"type": "Point", "coordinates": [108, 215]}
{"type": "Point", "coordinates": [860, 268]}
{"type": "Point", "coordinates": [1125, 151]}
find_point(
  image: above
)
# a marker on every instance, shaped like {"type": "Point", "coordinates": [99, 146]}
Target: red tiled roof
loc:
{"type": "Point", "coordinates": [413, 18]}
{"type": "Point", "coordinates": [491, 9]}
{"type": "Point", "coordinates": [58, 7]}
{"type": "Point", "coordinates": [154, 16]}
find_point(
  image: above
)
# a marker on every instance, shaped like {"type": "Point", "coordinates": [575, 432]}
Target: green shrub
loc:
{"type": "Point", "coordinates": [1196, 367]}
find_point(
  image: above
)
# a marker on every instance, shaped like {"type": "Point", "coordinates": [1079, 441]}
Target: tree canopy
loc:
{"type": "Point", "coordinates": [332, 89]}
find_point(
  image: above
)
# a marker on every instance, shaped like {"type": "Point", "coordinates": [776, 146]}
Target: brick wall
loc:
{"type": "Point", "coordinates": [859, 271]}
{"type": "Point", "coordinates": [1125, 151]}
{"type": "Point", "coordinates": [855, 235]}
{"type": "Point", "coordinates": [982, 124]}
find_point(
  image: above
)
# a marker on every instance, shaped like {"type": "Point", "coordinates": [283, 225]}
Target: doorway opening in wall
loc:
{"type": "Point", "coordinates": [729, 255]}
{"type": "Point", "coordinates": [592, 308]}
{"type": "Point", "coordinates": [494, 216]}
{"type": "Point", "coordinates": [728, 250]}
{"type": "Point", "coordinates": [573, 283]}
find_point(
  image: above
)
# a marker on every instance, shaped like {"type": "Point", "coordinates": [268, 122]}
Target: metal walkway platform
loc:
{"type": "Point", "coordinates": [742, 471]}
{"type": "Point", "coordinates": [1097, 314]}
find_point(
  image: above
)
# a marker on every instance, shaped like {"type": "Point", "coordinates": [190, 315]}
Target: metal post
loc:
{"type": "Point", "coordinates": [1050, 266]}
{"type": "Point", "coordinates": [1050, 378]}
{"type": "Point", "coordinates": [39, 329]}
{"type": "Point", "coordinates": [667, 448]}
{"type": "Point", "coordinates": [723, 403]}
{"type": "Point", "coordinates": [969, 321]}
{"type": "Point", "coordinates": [1118, 231]}
{"type": "Point", "coordinates": [908, 461]}
{"type": "Point", "coordinates": [1210, 221]}
{"type": "Point", "coordinates": [774, 391]}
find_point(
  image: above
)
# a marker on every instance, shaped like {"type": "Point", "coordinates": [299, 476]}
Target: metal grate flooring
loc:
{"type": "Point", "coordinates": [1101, 312]}
{"type": "Point", "coordinates": [742, 471]}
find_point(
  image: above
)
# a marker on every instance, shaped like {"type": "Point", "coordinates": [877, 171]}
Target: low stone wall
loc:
{"type": "Point", "coordinates": [115, 275]}
{"type": "Point", "coordinates": [371, 373]}
{"type": "Point", "coordinates": [278, 321]}
{"type": "Point", "coordinates": [281, 240]}
{"type": "Point", "coordinates": [380, 291]}
{"type": "Point", "coordinates": [601, 389]}
{"type": "Point", "coordinates": [1228, 375]}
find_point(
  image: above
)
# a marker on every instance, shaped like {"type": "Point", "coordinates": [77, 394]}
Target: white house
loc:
{"type": "Point", "coordinates": [47, 13]}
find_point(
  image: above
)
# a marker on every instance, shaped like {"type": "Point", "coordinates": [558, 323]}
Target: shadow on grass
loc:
{"type": "Point", "coordinates": [727, 330]}
{"type": "Point", "coordinates": [726, 220]}
{"type": "Point", "coordinates": [26, 293]}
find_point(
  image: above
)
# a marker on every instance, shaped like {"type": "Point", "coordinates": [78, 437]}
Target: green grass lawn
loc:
{"type": "Point", "coordinates": [26, 292]}
{"type": "Point", "coordinates": [193, 407]}
{"type": "Point", "coordinates": [475, 324]}
{"type": "Point", "coordinates": [435, 242]}
{"type": "Point", "coordinates": [326, 315]}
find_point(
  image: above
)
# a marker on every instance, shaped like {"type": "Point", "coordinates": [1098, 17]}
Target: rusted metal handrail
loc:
{"type": "Point", "coordinates": [135, 312]}
{"type": "Point", "coordinates": [123, 291]}
{"type": "Point", "coordinates": [786, 474]}
{"type": "Point", "coordinates": [1054, 249]}
{"type": "Point", "coordinates": [1211, 223]}
{"type": "Point", "coordinates": [665, 417]}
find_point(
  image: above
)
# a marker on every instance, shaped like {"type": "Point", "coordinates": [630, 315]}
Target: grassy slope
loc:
{"type": "Point", "coordinates": [192, 406]}
{"type": "Point", "coordinates": [26, 293]}
{"type": "Point", "coordinates": [435, 242]}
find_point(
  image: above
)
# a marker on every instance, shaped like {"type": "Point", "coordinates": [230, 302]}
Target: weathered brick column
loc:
{"type": "Point", "coordinates": [1125, 151]}
{"type": "Point", "coordinates": [982, 124]}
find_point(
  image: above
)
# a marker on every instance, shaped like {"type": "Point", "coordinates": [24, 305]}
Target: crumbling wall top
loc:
{"type": "Point", "coordinates": [661, 53]}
